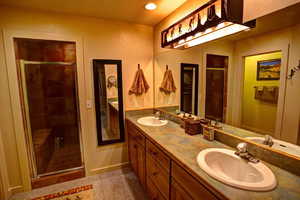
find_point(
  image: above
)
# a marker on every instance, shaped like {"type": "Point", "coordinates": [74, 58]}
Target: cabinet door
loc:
{"type": "Point", "coordinates": [178, 193]}
{"type": "Point", "coordinates": [137, 160]}
{"type": "Point", "coordinates": [158, 176]}
{"type": "Point", "coordinates": [141, 162]}
{"type": "Point", "coordinates": [194, 188]}
{"type": "Point", "coordinates": [133, 157]}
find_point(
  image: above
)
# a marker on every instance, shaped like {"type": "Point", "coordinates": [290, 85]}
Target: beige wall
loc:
{"type": "Point", "coordinates": [258, 8]}
{"type": "Point", "coordinates": [102, 39]}
{"type": "Point", "coordinates": [4, 182]}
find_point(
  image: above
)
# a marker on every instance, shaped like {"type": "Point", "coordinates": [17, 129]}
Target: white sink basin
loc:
{"type": "Point", "coordinates": [225, 166]}
{"type": "Point", "coordinates": [151, 121]}
{"type": "Point", "coordinates": [115, 102]}
{"type": "Point", "coordinates": [279, 145]}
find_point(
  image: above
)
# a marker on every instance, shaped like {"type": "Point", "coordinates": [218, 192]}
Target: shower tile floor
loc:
{"type": "Point", "coordinates": [121, 184]}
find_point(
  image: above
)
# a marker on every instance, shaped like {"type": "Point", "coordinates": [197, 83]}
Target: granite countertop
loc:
{"type": "Point", "coordinates": [185, 148]}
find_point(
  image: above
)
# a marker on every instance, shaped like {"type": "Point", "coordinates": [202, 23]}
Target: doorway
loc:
{"type": "Point", "coordinates": [261, 92]}
{"type": "Point", "coordinates": [47, 77]}
{"type": "Point", "coordinates": [216, 87]}
{"type": "Point", "coordinates": [189, 74]}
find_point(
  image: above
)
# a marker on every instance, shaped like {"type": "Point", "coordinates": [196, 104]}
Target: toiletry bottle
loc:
{"type": "Point", "coordinates": [208, 132]}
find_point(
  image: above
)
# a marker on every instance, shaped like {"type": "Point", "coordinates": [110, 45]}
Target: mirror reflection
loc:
{"type": "Point", "coordinates": [243, 82]}
{"type": "Point", "coordinates": [108, 101]}
{"type": "Point", "coordinates": [189, 88]}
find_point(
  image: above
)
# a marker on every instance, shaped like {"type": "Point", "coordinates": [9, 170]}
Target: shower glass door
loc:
{"type": "Point", "coordinates": [51, 114]}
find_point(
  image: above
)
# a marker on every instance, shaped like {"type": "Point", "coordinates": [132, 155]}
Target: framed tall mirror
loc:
{"type": "Point", "coordinates": [108, 101]}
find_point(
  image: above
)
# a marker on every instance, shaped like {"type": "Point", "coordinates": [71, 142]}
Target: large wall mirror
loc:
{"type": "Point", "coordinates": [244, 81]}
{"type": "Point", "coordinates": [108, 101]}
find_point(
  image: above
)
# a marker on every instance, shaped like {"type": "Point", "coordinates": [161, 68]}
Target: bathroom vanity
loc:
{"type": "Point", "coordinates": [164, 160]}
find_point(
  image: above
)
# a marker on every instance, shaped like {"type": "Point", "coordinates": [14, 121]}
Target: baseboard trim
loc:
{"type": "Point", "coordinates": [15, 189]}
{"type": "Point", "coordinates": [109, 168]}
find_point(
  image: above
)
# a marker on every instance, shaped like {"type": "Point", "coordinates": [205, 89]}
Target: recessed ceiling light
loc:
{"type": "Point", "coordinates": [150, 6]}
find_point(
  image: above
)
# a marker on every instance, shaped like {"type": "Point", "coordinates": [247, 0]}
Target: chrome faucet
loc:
{"type": "Point", "coordinates": [242, 151]}
{"type": "Point", "coordinates": [268, 141]}
{"type": "Point", "coordinates": [158, 116]}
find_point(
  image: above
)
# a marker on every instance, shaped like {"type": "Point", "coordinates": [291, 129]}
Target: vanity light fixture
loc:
{"type": "Point", "coordinates": [213, 20]}
{"type": "Point", "coordinates": [150, 6]}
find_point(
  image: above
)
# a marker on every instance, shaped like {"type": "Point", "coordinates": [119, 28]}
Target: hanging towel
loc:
{"type": "Point", "coordinates": [140, 84]}
{"type": "Point", "coordinates": [168, 84]}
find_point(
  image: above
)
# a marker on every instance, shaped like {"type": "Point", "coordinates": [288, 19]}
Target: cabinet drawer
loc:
{"type": "Point", "coordinates": [153, 192]}
{"type": "Point", "coordinates": [190, 185]}
{"type": "Point", "coordinates": [135, 134]}
{"type": "Point", "coordinates": [178, 193]}
{"type": "Point", "coordinates": [158, 155]}
{"type": "Point", "coordinates": [158, 176]}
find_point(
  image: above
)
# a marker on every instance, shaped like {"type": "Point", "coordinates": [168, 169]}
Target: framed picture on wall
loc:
{"type": "Point", "coordinates": [268, 69]}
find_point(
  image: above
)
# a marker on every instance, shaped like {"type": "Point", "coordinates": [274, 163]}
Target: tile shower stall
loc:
{"type": "Point", "coordinates": [47, 80]}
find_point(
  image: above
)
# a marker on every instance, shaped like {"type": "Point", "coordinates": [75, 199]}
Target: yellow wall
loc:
{"type": "Point", "coordinates": [258, 115]}
{"type": "Point", "coordinates": [102, 39]}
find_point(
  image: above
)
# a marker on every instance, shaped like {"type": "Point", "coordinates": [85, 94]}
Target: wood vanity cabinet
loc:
{"type": "Point", "coordinates": [157, 171]}
{"type": "Point", "coordinates": [161, 177]}
{"type": "Point", "coordinates": [136, 149]}
{"type": "Point", "coordinates": [114, 119]}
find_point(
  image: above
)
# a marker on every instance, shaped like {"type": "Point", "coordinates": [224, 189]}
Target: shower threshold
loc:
{"type": "Point", "coordinates": [59, 171]}
{"type": "Point", "coordinates": [57, 177]}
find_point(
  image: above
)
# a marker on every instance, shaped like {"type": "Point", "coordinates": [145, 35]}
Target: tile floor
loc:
{"type": "Point", "coordinates": [121, 184]}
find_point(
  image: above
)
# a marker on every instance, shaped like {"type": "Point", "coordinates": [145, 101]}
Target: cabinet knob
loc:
{"type": "Point", "coordinates": [154, 173]}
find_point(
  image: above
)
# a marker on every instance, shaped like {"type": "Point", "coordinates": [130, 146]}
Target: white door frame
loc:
{"type": "Point", "coordinates": [8, 36]}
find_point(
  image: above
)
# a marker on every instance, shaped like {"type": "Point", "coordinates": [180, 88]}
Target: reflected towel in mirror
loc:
{"type": "Point", "coordinates": [168, 84]}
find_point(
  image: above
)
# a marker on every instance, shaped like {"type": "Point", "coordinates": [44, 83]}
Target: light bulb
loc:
{"type": "Point", "coordinates": [150, 6]}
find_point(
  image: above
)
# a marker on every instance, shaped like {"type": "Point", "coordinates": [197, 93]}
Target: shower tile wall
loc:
{"type": "Point", "coordinates": [51, 92]}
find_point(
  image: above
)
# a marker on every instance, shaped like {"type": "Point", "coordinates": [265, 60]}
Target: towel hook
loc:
{"type": "Point", "coordinates": [139, 66]}
{"type": "Point", "coordinates": [167, 67]}
{"type": "Point", "coordinates": [293, 71]}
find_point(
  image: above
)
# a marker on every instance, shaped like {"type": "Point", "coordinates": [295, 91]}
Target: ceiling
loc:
{"type": "Point", "coordinates": [124, 10]}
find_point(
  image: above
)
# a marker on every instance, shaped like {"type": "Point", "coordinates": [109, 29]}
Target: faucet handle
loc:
{"type": "Point", "coordinates": [242, 147]}
{"type": "Point", "coordinates": [268, 140]}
